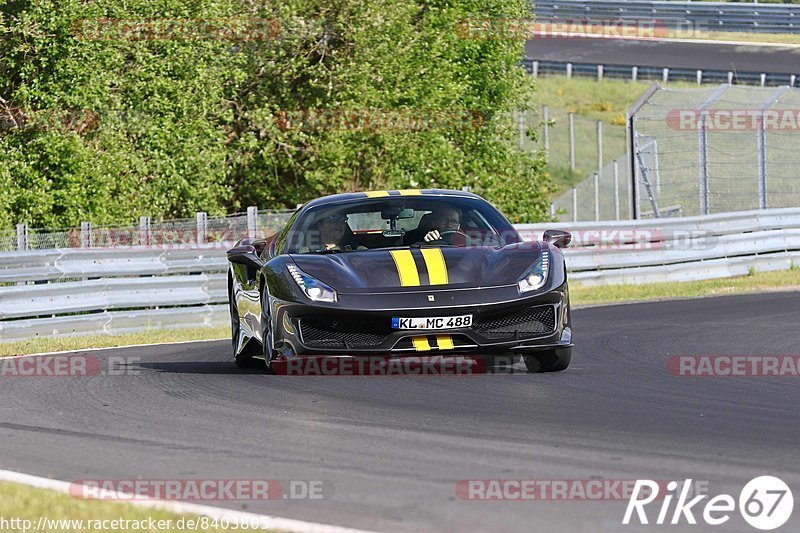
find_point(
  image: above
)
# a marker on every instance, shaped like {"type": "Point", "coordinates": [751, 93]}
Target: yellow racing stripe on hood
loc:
{"type": "Point", "coordinates": [437, 268]}
{"type": "Point", "coordinates": [406, 268]}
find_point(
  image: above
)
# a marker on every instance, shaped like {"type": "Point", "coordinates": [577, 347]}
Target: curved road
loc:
{"type": "Point", "coordinates": [393, 448]}
{"type": "Point", "coordinates": [744, 58]}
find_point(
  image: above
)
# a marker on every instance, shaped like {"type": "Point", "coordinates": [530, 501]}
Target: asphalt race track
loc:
{"type": "Point", "coordinates": [744, 58]}
{"type": "Point", "coordinates": [393, 448]}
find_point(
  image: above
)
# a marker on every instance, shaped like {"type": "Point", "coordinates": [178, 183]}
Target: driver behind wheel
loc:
{"type": "Point", "coordinates": [445, 218]}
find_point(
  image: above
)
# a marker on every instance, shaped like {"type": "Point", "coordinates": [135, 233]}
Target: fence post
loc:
{"type": "Point", "coordinates": [792, 80]}
{"type": "Point", "coordinates": [702, 150]}
{"type": "Point", "coordinates": [665, 75]}
{"type": "Point", "coordinates": [616, 189]}
{"type": "Point", "coordinates": [252, 221]}
{"type": "Point", "coordinates": [145, 238]}
{"type": "Point", "coordinates": [535, 69]}
{"type": "Point", "coordinates": [521, 126]}
{"type": "Point", "coordinates": [763, 79]}
{"type": "Point", "coordinates": [22, 237]}
{"type": "Point", "coordinates": [552, 210]}
{"type": "Point", "coordinates": [546, 112]}
{"type": "Point", "coordinates": [596, 196]}
{"type": "Point", "coordinates": [634, 73]}
{"type": "Point", "coordinates": [600, 147]}
{"type": "Point", "coordinates": [572, 142]}
{"type": "Point", "coordinates": [699, 76]}
{"type": "Point", "coordinates": [574, 204]}
{"type": "Point", "coordinates": [86, 234]}
{"type": "Point", "coordinates": [569, 70]}
{"type": "Point", "coordinates": [730, 77]}
{"type": "Point", "coordinates": [202, 227]}
{"type": "Point", "coordinates": [762, 163]}
{"type": "Point", "coordinates": [599, 72]}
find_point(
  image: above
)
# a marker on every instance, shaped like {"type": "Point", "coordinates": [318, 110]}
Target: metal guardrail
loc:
{"type": "Point", "coordinates": [711, 16]}
{"type": "Point", "coordinates": [74, 292]}
{"type": "Point", "coordinates": [662, 74]}
{"type": "Point", "coordinates": [679, 249]}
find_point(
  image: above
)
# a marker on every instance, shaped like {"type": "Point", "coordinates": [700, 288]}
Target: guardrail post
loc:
{"type": "Point", "coordinates": [600, 147]}
{"type": "Point", "coordinates": [252, 221]}
{"type": "Point", "coordinates": [792, 80]}
{"type": "Point", "coordinates": [596, 196]}
{"type": "Point", "coordinates": [86, 234]}
{"type": "Point", "coordinates": [763, 79]}
{"type": "Point", "coordinates": [546, 112]}
{"type": "Point", "coordinates": [535, 69]}
{"type": "Point", "coordinates": [202, 227]}
{"type": "Point", "coordinates": [572, 142]}
{"type": "Point", "coordinates": [665, 75]}
{"type": "Point", "coordinates": [616, 189]}
{"type": "Point", "coordinates": [574, 204]}
{"type": "Point", "coordinates": [599, 72]}
{"type": "Point", "coordinates": [634, 73]}
{"type": "Point", "coordinates": [699, 77]}
{"type": "Point", "coordinates": [730, 78]}
{"type": "Point", "coordinates": [569, 70]}
{"type": "Point", "coordinates": [521, 126]}
{"type": "Point", "coordinates": [145, 238]}
{"type": "Point", "coordinates": [22, 237]}
{"type": "Point", "coordinates": [552, 210]}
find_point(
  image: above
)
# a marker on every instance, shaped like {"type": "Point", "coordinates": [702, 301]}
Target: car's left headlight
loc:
{"type": "Point", "coordinates": [311, 287]}
{"type": "Point", "coordinates": [536, 276]}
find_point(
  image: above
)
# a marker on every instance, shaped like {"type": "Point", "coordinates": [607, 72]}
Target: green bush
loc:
{"type": "Point", "coordinates": [169, 126]}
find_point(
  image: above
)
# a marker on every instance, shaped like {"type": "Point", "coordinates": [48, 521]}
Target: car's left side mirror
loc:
{"type": "Point", "coordinates": [558, 238]}
{"type": "Point", "coordinates": [245, 254]}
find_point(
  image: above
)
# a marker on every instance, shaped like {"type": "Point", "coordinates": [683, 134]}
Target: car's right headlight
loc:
{"type": "Point", "coordinates": [313, 288]}
{"type": "Point", "coordinates": [536, 276]}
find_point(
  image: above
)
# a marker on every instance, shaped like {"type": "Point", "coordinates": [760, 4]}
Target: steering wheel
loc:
{"type": "Point", "coordinates": [456, 237]}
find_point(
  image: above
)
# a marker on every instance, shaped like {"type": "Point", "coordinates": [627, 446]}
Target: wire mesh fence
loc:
{"type": "Point", "coordinates": [201, 230]}
{"type": "Point", "coordinates": [718, 149]}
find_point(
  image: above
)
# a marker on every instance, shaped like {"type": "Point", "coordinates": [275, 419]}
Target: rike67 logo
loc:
{"type": "Point", "coordinates": [765, 503]}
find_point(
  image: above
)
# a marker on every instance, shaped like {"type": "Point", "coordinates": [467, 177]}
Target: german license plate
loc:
{"type": "Point", "coordinates": [436, 322]}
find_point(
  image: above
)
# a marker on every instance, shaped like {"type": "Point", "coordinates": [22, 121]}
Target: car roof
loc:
{"type": "Point", "coordinates": [335, 198]}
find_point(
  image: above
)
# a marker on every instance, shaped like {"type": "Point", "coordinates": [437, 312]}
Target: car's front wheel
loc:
{"type": "Point", "coordinates": [548, 361]}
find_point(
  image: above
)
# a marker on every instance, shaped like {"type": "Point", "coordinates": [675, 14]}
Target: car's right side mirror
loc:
{"type": "Point", "coordinates": [558, 238]}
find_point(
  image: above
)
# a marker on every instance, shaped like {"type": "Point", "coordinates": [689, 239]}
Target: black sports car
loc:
{"type": "Point", "coordinates": [393, 273]}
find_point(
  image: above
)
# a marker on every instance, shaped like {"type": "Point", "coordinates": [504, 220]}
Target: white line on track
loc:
{"type": "Point", "coordinates": [265, 521]}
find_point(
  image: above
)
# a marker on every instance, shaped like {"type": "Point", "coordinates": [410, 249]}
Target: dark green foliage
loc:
{"type": "Point", "coordinates": [169, 126]}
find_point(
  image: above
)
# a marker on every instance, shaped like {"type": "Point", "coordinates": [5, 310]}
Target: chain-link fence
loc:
{"type": "Point", "coordinates": [201, 230]}
{"type": "Point", "coordinates": [714, 150]}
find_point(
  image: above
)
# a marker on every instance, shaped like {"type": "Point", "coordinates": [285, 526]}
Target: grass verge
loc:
{"type": "Point", "coordinates": [27, 503]}
{"type": "Point", "coordinates": [41, 345]}
{"type": "Point", "coordinates": [581, 295]}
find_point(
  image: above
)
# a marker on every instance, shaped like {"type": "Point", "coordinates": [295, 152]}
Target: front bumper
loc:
{"type": "Point", "coordinates": [508, 324]}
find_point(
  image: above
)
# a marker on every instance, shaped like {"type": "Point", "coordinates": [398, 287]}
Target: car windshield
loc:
{"type": "Point", "coordinates": [381, 223]}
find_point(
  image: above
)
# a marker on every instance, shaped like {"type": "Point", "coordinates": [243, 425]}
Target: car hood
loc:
{"type": "Point", "coordinates": [420, 268]}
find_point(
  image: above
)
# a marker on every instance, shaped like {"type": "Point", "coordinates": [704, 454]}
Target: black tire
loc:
{"type": "Point", "coordinates": [245, 358]}
{"type": "Point", "coordinates": [549, 360]}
